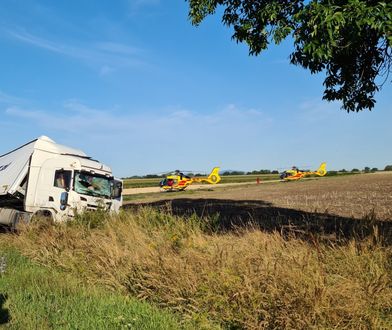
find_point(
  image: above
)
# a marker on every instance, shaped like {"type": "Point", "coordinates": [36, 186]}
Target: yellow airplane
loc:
{"type": "Point", "coordinates": [179, 181]}
{"type": "Point", "coordinates": [296, 174]}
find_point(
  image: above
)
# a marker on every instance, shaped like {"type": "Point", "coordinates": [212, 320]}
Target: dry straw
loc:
{"type": "Point", "coordinates": [243, 278]}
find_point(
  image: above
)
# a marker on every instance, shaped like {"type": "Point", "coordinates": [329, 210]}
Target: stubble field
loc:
{"type": "Point", "coordinates": [353, 196]}
{"type": "Point", "coordinates": [335, 207]}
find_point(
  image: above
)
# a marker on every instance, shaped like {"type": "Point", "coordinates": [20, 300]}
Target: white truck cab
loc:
{"type": "Point", "coordinates": [48, 179]}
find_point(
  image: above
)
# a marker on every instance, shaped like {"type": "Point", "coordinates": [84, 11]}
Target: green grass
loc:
{"type": "Point", "coordinates": [141, 183]}
{"type": "Point", "coordinates": [36, 297]}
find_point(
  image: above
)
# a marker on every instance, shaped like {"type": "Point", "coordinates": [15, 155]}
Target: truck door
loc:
{"type": "Point", "coordinates": [117, 189]}
{"type": "Point", "coordinates": [116, 194]}
{"type": "Point", "coordinates": [61, 183]}
{"type": "Point", "coordinates": [51, 183]}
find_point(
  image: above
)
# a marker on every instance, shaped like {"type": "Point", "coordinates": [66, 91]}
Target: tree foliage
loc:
{"type": "Point", "coordinates": [349, 40]}
{"type": "Point", "coordinates": [259, 172]}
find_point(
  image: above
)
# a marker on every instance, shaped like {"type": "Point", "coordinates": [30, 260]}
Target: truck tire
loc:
{"type": "Point", "coordinates": [42, 219]}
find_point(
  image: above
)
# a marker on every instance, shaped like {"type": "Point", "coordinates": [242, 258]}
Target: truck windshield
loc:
{"type": "Point", "coordinates": [92, 184]}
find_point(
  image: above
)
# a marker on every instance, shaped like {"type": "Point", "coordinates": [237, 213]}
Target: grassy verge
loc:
{"type": "Point", "coordinates": [242, 279]}
{"type": "Point", "coordinates": [36, 297]}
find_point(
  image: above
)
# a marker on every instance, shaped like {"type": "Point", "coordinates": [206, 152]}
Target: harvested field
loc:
{"type": "Point", "coordinates": [338, 206]}
{"type": "Point", "coordinates": [350, 196]}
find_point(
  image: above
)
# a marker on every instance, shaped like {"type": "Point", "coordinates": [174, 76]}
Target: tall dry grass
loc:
{"type": "Point", "coordinates": [239, 279]}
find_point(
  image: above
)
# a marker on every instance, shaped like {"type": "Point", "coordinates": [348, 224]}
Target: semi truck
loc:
{"type": "Point", "coordinates": [45, 179]}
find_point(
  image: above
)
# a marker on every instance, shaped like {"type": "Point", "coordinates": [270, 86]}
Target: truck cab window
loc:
{"type": "Point", "coordinates": [116, 188]}
{"type": "Point", "coordinates": [62, 179]}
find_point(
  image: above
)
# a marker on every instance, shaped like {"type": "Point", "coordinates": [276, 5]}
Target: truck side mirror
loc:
{"type": "Point", "coordinates": [63, 200]}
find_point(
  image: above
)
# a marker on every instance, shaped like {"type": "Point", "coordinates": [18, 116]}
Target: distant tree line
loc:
{"type": "Point", "coordinates": [255, 172]}
{"type": "Point", "coordinates": [366, 169]}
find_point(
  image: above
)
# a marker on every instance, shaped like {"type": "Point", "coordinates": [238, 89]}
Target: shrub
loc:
{"type": "Point", "coordinates": [153, 176]}
{"type": "Point", "coordinates": [332, 173]}
{"type": "Point", "coordinates": [260, 172]}
{"type": "Point", "coordinates": [233, 173]}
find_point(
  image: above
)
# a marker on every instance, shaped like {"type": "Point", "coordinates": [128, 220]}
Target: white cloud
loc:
{"type": "Point", "coordinates": [78, 117]}
{"type": "Point", "coordinates": [107, 57]}
{"type": "Point", "coordinates": [152, 141]}
{"type": "Point", "coordinates": [136, 4]}
{"type": "Point", "coordinates": [16, 111]}
{"type": "Point", "coordinates": [116, 48]}
{"type": "Point", "coordinates": [9, 99]}
{"type": "Point", "coordinates": [75, 120]}
{"type": "Point", "coordinates": [38, 42]}
{"type": "Point", "coordinates": [317, 110]}
{"type": "Point", "coordinates": [145, 7]}
{"type": "Point", "coordinates": [106, 70]}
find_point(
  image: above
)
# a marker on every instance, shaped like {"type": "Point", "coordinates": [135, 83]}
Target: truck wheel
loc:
{"type": "Point", "coordinates": [42, 219]}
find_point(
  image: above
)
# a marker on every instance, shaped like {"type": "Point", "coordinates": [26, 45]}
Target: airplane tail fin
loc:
{"type": "Point", "coordinates": [322, 170]}
{"type": "Point", "coordinates": [214, 176]}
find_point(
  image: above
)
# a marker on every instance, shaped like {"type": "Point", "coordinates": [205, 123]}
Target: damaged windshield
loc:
{"type": "Point", "coordinates": [92, 184]}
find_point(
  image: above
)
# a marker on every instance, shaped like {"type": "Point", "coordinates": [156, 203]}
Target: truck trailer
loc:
{"type": "Point", "coordinates": [46, 179]}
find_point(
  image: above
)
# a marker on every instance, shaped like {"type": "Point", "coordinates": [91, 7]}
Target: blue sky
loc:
{"type": "Point", "coordinates": [133, 84]}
